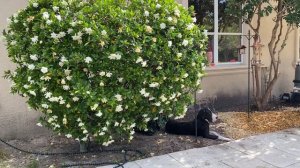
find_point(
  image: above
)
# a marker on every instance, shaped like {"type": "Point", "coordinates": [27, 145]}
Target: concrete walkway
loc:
{"type": "Point", "coordinates": [273, 150]}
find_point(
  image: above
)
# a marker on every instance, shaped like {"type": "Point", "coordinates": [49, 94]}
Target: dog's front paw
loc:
{"type": "Point", "coordinates": [227, 139]}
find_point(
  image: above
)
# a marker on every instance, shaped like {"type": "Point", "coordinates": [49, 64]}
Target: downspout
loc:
{"type": "Point", "coordinates": [297, 47]}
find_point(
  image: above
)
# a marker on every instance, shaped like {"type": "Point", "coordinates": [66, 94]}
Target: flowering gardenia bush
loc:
{"type": "Point", "coordinates": [102, 68]}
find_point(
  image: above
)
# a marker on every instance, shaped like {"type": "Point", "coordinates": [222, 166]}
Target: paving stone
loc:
{"type": "Point", "coordinates": [296, 165]}
{"type": "Point", "coordinates": [127, 165]}
{"type": "Point", "coordinates": [293, 147]}
{"type": "Point", "coordinates": [247, 162]}
{"type": "Point", "coordinates": [164, 161]}
{"type": "Point", "coordinates": [202, 157]}
{"type": "Point", "coordinates": [276, 157]}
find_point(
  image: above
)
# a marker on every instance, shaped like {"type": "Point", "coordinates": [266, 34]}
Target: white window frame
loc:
{"type": "Point", "coordinates": [216, 35]}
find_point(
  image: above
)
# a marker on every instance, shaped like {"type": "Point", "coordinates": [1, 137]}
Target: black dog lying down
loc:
{"type": "Point", "coordinates": [204, 116]}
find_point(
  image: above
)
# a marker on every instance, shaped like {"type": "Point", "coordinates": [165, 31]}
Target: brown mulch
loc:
{"type": "Point", "coordinates": [237, 124]}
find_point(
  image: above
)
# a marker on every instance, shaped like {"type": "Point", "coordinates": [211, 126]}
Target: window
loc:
{"type": "Point", "coordinates": [224, 31]}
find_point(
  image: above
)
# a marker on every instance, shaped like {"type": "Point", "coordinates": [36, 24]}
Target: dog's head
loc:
{"type": "Point", "coordinates": [207, 114]}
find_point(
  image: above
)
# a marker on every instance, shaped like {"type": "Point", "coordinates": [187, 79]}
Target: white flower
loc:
{"type": "Point", "coordinates": [179, 35]}
{"type": "Point", "coordinates": [153, 85]}
{"type": "Point", "coordinates": [81, 124]}
{"type": "Point", "coordinates": [48, 95]}
{"type": "Point", "coordinates": [88, 30]}
{"type": "Point", "coordinates": [35, 39]}
{"type": "Point", "coordinates": [84, 139]}
{"type": "Point", "coordinates": [75, 99]}
{"type": "Point", "coordinates": [55, 8]}
{"type": "Point", "coordinates": [185, 75]}
{"type": "Point", "coordinates": [157, 104]}
{"type": "Point", "coordinates": [170, 19]}
{"type": "Point", "coordinates": [66, 87]}
{"type": "Point", "coordinates": [62, 102]}
{"type": "Point", "coordinates": [68, 135]}
{"type": "Point", "coordinates": [46, 15]}
{"type": "Point", "coordinates": [194, 19]}
{"type": "Point", "coordinates": [109, 74]}
{"type": "Point", "coordinates": [34, 57]}
{"type": "Point", "coordinates": [68, 105]}
{"type": "Point", "coordinates": [146, 13]}
{"type": "Point", "coordinates": [35, 5]}
{"type": "Point", "coordinates": [45, 106]}
{"type": "Point", "coordinates": [77, 37]}
{"type": "Point", "coordinates": [32, 92]}
{"type": "Point", "coordinates": [14, 42]}
{"type": "Point", "coordinates": [49, 22]}
{"type": "Point", "coordinates": [104, 100]}
{"type": "Point", "coordinates": [190, 26]}
{"type": "Point", "coordinates": [132, 125]}
{"type": "Point", "coordinates": [85, 131]}
{"type": "Point", "coordinates": [163, 98]}
{"type": "Point", "coordinates": [120, 79]}
{"type": "Point", "coordinates": [26, 86]}
{"type": "Point", "coordinates": [99, 114]}
{"type": "Point", "coordinates": [156, 16]}
{"type": "Point", "coordinates": [104, 128]}
{"type": "Point", "coordinates": [61, 34]}
{"type": "Point", "coordinates": [143, 91]}
{"type": "Point", "coordinates": [102, 133]}
{"type": "Point", "coordinates": [58, 17]}
{"type": "Point", "coordinates": [169, 43]}
{"type": "Point", "coordinates": [103, 33]}
{"type": "Point", "coordinates": [65, 121]}
{"type": "Point", "coordinates": [101, 83]}
{"type": "Point", "coordinates": [117, 124]}
{"type": "Point", "coordinates": [67, 72]}
{"type": "Point", "coordinates": [31, 66]}
{"type": "Point", "coordinates": [177, 12]}
{"type": "Point", "coordinates": [163, 25]}
{"type": "Point", "coordinates": [144, 63]}
{"type": "Point", "coordinates": [54, 35]}
{"type": "Point", "coordinates": [44, 70]}
{"type": "Point", "coordinates": [118, 97]}
{"type": "Point", "coordinates": [70, 31]}
{"type": "Point", "coordinates": [138, 49]}
{"type": "Point", "coordinates": [158, 6]}
{"type": "Point", "coordinates": [102, 73]}
{"type": "Point", "coordinates": [114, 56]}
{"type": "Point", "coordinates": [140, 59]}
{"type": "Point", "coordinates": [149, 29]}
{"type": "Point", "coordinates": [159, 68]}
{"type": "Point", "coordinates": [185, 42]}
{"type": "Point", "coordinates": [94, 107]}
{"type": "Point", "coordinates": [88, 60]}
{"type": "Point", "coordinates": [119, 108]}
{"type": "Point", "coordinates": [39, 124]}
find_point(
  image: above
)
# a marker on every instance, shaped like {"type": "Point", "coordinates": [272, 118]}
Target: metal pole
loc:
{"type": "Point", "coordinates": [249, 38]}
{"type": "Point", "coordinates": [196, 124]}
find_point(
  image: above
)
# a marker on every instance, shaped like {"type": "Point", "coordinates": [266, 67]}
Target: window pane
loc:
{"type": "Point", "coordinates": [210, 50]}
{"type": "Point", "coordinates": [227, 23]}
{"type": "Point", "coordinates": [204, 10]}
{"type": "Point", "coordinates": [228, 51]}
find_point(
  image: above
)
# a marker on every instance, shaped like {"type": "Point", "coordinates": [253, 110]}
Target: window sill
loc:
{"type": "Point", "coordinates": [226, 69]}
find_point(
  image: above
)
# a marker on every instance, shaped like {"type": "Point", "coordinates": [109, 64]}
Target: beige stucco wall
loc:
{"type": "Point", "coordinates": [15, 118]}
